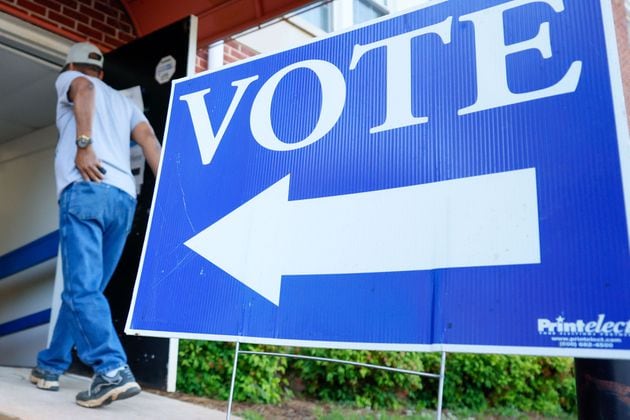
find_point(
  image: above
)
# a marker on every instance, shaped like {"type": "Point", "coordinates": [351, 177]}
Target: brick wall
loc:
{"type": "Point", "coordinates": [102, 22]}
{"type": "Point", "coordinates": [201, 64]}
{"type": "Point", "coordinates": [235, 51]}
{"type": "Point", "coordinates": [232, 51]}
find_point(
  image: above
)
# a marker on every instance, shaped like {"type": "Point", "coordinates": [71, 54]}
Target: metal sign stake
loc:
{"type": "Point", "coordinates": [440, 376]}
{"type": "Point", "coordinates": [441, 386]}
{"type": "Point", "coordinates": [229, 410]}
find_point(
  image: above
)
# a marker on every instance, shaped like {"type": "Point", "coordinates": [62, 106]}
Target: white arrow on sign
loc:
{"type": "Point", "coordinates": [486, 220]}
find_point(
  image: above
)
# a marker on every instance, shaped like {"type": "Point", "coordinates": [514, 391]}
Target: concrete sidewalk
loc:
{"type": "Point", "coordinates": [21, 399]}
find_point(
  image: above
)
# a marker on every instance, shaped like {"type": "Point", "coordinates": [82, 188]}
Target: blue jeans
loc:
{"type": "Point", "coordinates": [95, 219]}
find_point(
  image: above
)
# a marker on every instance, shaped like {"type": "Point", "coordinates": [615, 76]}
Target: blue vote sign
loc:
{"type": "Point", "coordinates": [453, 178]}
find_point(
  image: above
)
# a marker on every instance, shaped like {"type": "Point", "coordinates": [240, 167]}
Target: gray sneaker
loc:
{"type": "Point", "coordinates": [104, 389]}
{"type": "Point", "coordinates": [44, 380]}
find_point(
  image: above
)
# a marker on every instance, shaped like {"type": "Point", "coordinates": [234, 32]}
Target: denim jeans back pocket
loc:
{"type": "Point", "coordinates": [85, 201]}
{"type": "Point", "coordinates": [127, 207]}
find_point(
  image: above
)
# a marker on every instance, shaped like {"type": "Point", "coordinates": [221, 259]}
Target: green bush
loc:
{"type": "Point", "coordinates": [544, 385]}
{"type": "Point", "coordinates": [205, 368]}
{"type": "Point", "coordinates": [364, 386]}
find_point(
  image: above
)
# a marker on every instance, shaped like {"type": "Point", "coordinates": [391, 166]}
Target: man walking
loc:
{"type": "Point", "coordinates": [96, 194]}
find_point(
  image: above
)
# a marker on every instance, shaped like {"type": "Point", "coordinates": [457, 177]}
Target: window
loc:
{"type": "Point", "coordinates": [320, 16]}
{"type": "Point", "coordinates": [338, 14]}
{"type": "Point", "coordinates": [364, 10]}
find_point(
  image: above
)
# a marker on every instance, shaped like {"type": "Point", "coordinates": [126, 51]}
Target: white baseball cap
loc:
{"type": "Point", "coordinates": [85, 53]}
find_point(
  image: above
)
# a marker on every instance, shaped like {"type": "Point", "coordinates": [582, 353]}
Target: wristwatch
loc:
{"type": "Point", "coordinates": [83, 141]}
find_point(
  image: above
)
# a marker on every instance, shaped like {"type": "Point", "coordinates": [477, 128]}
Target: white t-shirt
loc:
{"type": "Point", "coordinates": [115, 116]}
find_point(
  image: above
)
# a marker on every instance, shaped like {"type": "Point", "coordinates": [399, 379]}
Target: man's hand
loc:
{"type": "Point", "coordinates": [88, 164]}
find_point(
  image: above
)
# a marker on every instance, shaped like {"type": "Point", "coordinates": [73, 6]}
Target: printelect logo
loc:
{"type": "Point", "coordinates": [600, 326]}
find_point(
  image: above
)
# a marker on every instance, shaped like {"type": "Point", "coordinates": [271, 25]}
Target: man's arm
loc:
{"type": "Point", "coordinates": [143, 135]}
{"type": "Point", "coordinates": [81, 93]}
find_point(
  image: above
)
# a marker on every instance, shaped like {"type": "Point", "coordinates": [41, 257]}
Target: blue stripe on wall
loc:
{"type": "Point", "coordinates": [29, 321]}
{"type": "Point", "coordinates": [36, 252]}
